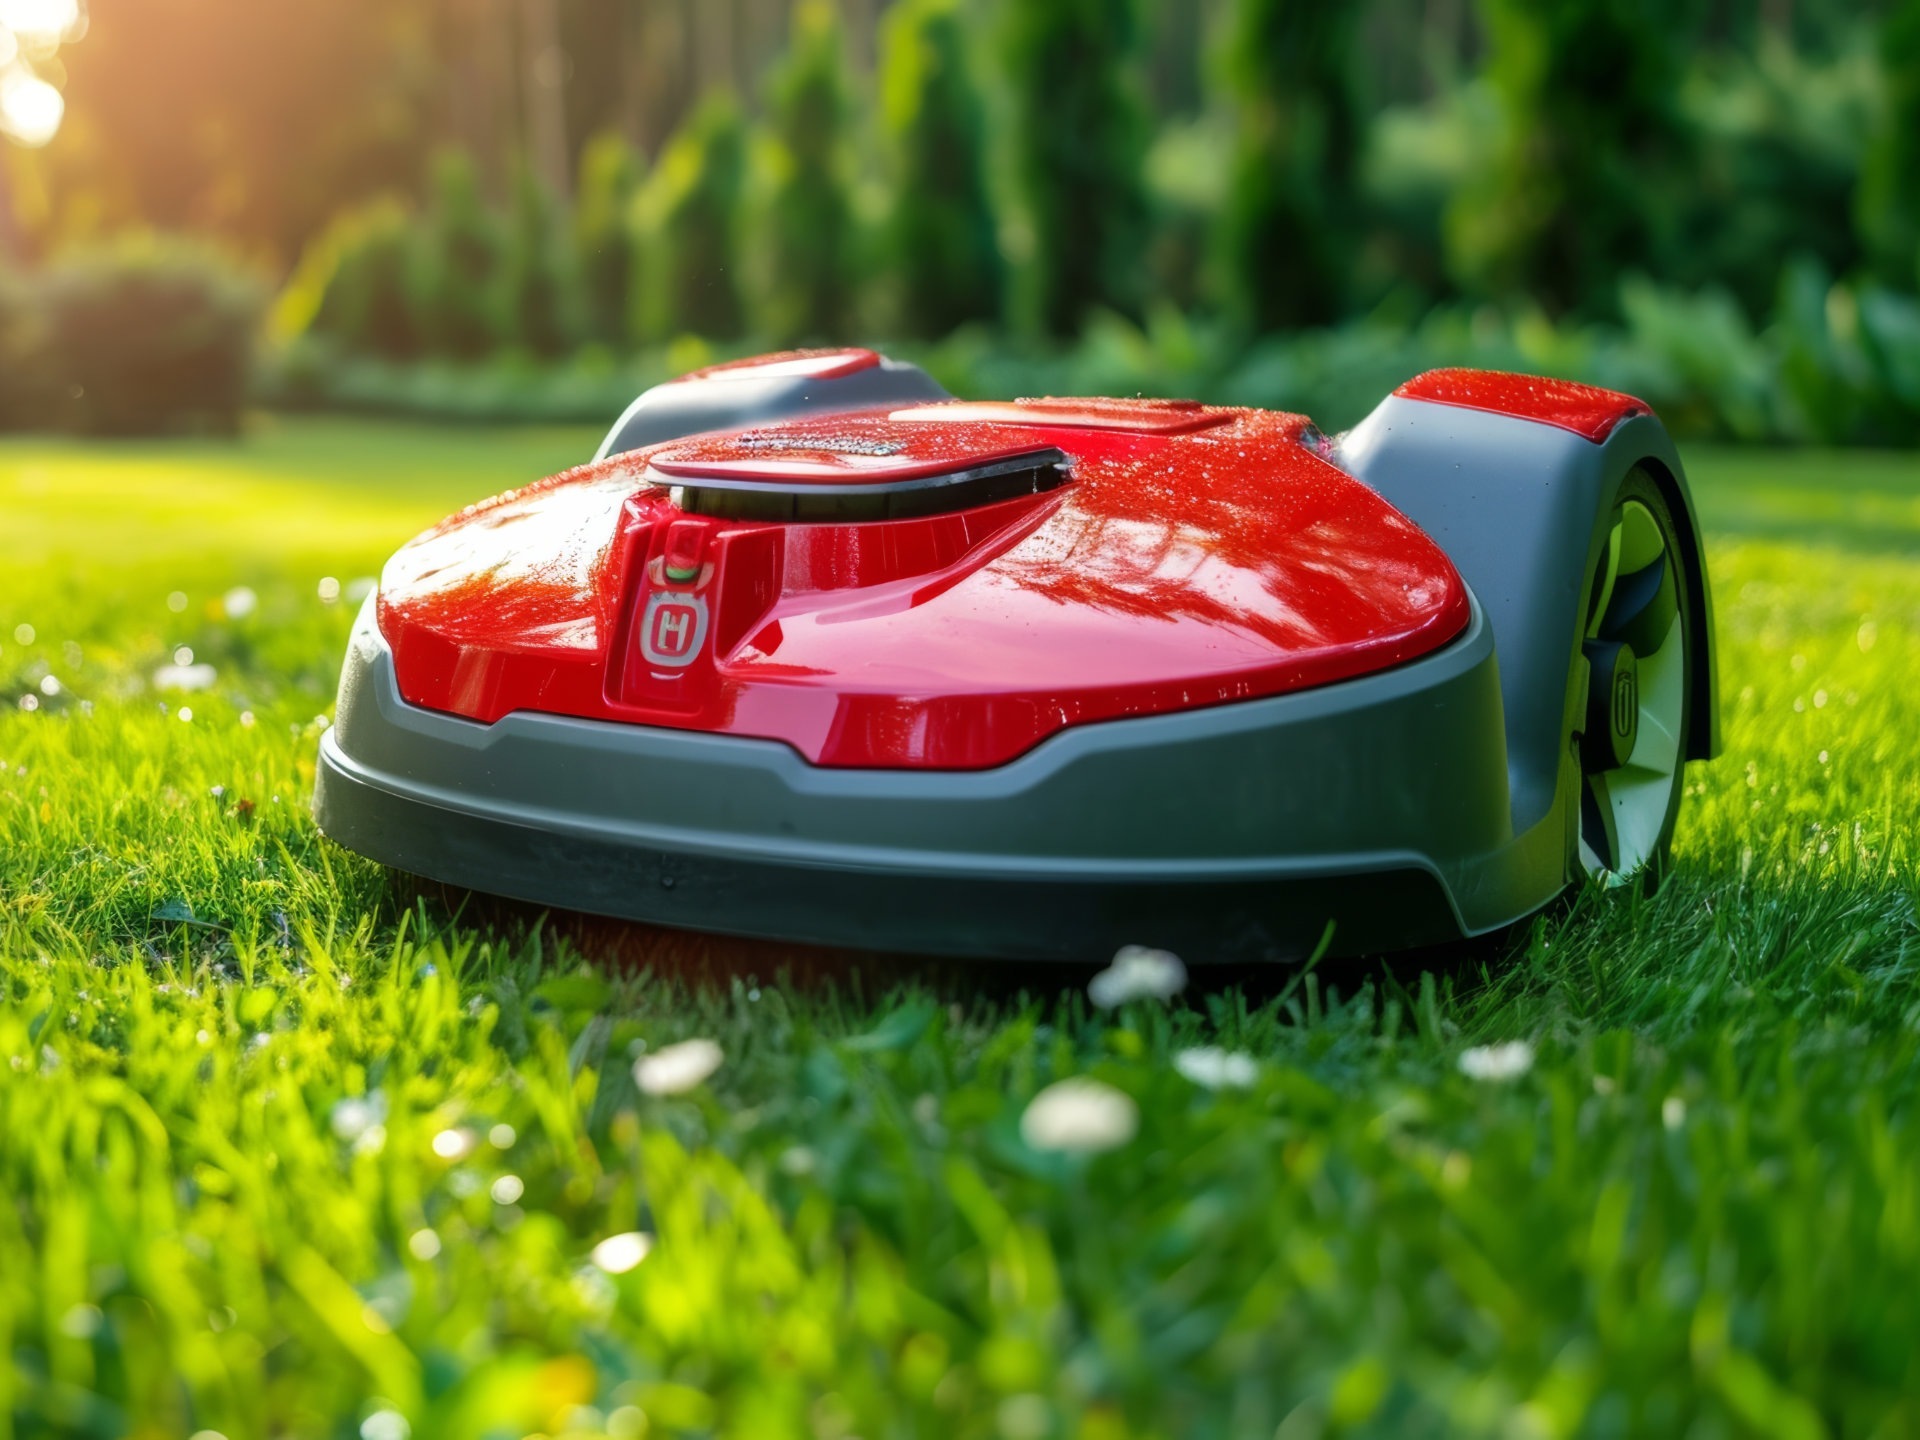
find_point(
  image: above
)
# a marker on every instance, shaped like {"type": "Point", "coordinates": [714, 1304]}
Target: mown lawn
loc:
{"type": "Point", "coordinates": [288, 1150]}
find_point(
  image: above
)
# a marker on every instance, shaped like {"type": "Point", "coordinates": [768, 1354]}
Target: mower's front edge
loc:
{"type": "Point", "coordinates": [1230, 833]}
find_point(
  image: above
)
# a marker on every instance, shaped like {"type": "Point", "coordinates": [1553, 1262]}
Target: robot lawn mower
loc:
{"type": "Point", "coordinates": [813, 651]}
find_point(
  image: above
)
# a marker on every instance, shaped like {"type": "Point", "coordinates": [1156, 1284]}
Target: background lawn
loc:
{"type": "Point", "coordinates": [288, 1150]}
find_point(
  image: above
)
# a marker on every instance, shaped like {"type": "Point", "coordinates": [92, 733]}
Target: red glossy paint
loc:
{"type": "Point", "coordinates": [1172, 571]}
{"type": "Point", "coordinates": [1586, 410]}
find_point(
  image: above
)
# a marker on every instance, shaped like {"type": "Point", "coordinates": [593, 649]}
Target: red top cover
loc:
{"type": "Point", "coordinates": [1172, 570]}
{"type": "Point", "coordinates": [1586, 410]}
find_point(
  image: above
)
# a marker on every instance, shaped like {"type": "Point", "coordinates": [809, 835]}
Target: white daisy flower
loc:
{"type": "Point", "coordinates": [1138, 973]}
{"type": "Point", "coordinates": [677, 1068]}
{"type": "Point", "coordinates": [1079, 1116]}
{"type": "Point", "coordinates": [1497, 1062]}
{"type": "Point", "coordinates": [1216, 1069]}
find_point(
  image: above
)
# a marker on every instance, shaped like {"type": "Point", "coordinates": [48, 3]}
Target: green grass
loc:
{"type": "Point", "coordinates": [1697, 1213]}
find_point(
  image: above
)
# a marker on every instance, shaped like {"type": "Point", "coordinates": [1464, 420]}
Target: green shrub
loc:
{"type": "Point", "coordinates": [1890, 338]}
{"type": "Point", "coordinates": [1593, 164]}
{"type": "Point", "coordinates": [689, 217]}
{"type": "Point", "coordinates": [539, 303]}
{"type": "Point", "coordinates": [24, 399]}
{"type": "Point", "coordinates": [457, 265]}
{"type": "Point", "coordinates": [149, 335]}
{"type": "Point", "coordinates": [1078, 146]}
{"type": "Point", "coordinates": [1698, 359]}
{"type": "Point", "coordinates": [804, 230]}
{"type": "Point", "coordinates": [1286, 233]}
{"type": "Point", "coordinates": [604, 240]}
{"type": "Point", "coordinates": [942, 252]}
{"type": "Point", "coordinates": [1780, 136]}
{"type": "Point", "coordinates": [353, 285]}
{"type": "Point", "coordinates": [1888, 206]}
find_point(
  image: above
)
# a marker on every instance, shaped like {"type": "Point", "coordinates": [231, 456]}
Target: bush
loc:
{"type": "Point", "coordinates": [457, 264]}
{"type": "Point", "coordinates": [148, 336]}
{"type": "Point", "coordinates": [804, 229]}
{"type": "Point", "coordinates": [1285, 235]}
{"type": "Point", "coordinates": [354, 285]}
{"type": "Point", "coordinates": [1593, 164]}
{"type": "Point", "coordinates": [1079, 149]}
{"type": "Point", "coordinates": [1838, 364]}
{"type": "Point", "coordinates": [1889, 200]}
{"type": "Point", "coordinates": [941, 246]}
{"type": "Point", "coordinates": [539, 303]}
{"type": "Point", "coordinates": [24, 398]}
{"type": "Point", "coordinates": [690, 217]}
{"type": "Point", "coordinates": [604, 240]}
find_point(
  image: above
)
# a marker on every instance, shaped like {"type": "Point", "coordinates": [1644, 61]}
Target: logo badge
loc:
{"type": "Point", "coordinates": [1626, 701]}
{"type": "Point", "coordinates": [673, 628]}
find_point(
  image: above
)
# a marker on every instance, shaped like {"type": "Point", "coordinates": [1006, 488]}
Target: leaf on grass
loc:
{"type": "Point", "coordinates": [179, 912]}
{"type": "Point", "coordinates": [574, 992]}
{"type": "Point", "coordinates": [899, 1029]}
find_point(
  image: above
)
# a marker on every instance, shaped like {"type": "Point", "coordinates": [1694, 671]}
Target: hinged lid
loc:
{"type": "Point", "coordinates": [1140, 417]}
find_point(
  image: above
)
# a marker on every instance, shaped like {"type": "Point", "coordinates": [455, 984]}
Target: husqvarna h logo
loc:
{"type": "Point", "coordinates": [673, 628]}
{"type": "Point", "coordinates": [673, 625]}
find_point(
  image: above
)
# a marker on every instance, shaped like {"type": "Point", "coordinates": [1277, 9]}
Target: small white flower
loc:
{"type": "Point", "coordinates": [1217, 1069]}
{"type": "Point", "coordinates": [677, 1068]}
{"type": "Point", "coordinates": [1079, 1116]}
{"type": "Point", "coordinates": [239, 602]}
{"type": "Point", "coordinates": [1673, 1112]}
{"type": "Point", "coordinates": [185, 677]}
{"type": "Point", "coordinates": [1497, 1062]}
{"type": "Point", "coordinates": [385, 1425]}
{"type": "Point", "coordinates": [507, 1189]}
{"type": "Point", "coordinates": [617, 1254]}
{"type": "Point", "coordinates": [453, 1144]}
{"type": "Point", "coordinates": [502, 1136]}
{"type": "Point", "coordinates": [423, 1244]}
{"type": "Point", "coordinates": [1138, 973]}
{"type": "Point", "coordinates": [328, 589]}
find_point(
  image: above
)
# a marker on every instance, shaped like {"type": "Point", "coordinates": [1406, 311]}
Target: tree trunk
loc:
{"type": "Point", "coordinates": [714, 42]}
{"type": "Point", "coordinates": [11, 250]}
{"type": "Point", "coordinates": [545, 88]}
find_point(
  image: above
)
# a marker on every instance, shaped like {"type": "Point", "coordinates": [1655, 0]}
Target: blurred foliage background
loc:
{"type": "Point", "coordinates": [521, 209]}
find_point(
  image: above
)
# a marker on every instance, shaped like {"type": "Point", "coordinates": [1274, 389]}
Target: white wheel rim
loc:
{"type": "Point", "coordinates": [1624, 811]}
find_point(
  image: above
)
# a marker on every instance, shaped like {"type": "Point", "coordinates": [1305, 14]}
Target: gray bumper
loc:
{"type": "Point", "coordinates": [1229, 833]}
